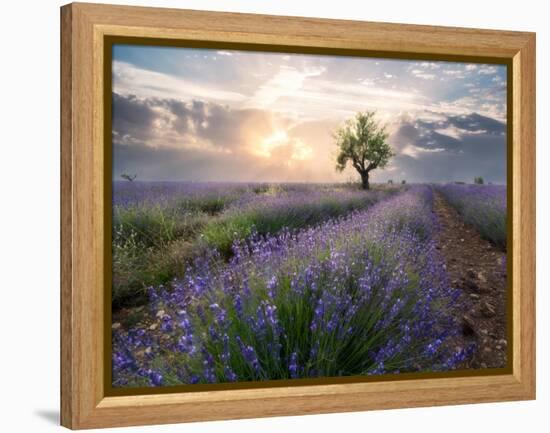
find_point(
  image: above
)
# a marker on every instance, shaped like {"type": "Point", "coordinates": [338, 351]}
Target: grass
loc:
{"type": "Point", "coordinates": [150, 245]}
{"type": "Point", "coordinates": [271, 217]}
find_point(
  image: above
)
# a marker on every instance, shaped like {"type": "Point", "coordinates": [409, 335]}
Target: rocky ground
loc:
{"type": "Point", "coordinates": [479, 269]}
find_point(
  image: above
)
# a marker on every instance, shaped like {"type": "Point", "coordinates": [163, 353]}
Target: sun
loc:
{"type": "Point", "coordinates": [297, 149]}
{"type": "Point", "coordinates": [267, 145]}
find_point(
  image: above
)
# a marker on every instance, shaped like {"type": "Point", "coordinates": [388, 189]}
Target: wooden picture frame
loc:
{"type": "Point", "coordinates": [84, 29]}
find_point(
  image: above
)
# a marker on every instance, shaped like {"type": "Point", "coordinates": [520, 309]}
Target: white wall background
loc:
{"type": "Point", "coordinates": [29, 215]}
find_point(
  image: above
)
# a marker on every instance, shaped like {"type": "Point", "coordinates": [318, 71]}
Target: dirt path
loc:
{"type": "Point", "coordinates": [479, 269]}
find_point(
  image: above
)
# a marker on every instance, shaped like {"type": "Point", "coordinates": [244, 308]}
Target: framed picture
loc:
{"type": "Point", "coordinates": [266, 216]}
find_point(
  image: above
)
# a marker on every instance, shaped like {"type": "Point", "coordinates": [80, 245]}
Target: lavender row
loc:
{"type": "Point", "coordinates": [207, 196]}
{"type": "Point", "coordinates": [155, 236]}
{"type": "Point", "coordinates": [482, 206]}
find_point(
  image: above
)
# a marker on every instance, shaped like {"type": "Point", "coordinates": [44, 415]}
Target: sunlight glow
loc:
{"type": "Point", "coordinates": [301, 151]}
{"type": "Point", "coordinates": [267, 145]}
{"type": "Point", "coordinates": [279, 141]}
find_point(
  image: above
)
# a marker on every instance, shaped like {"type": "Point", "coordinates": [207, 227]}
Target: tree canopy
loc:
{"type": "Point", "coordinates": [363, 142]}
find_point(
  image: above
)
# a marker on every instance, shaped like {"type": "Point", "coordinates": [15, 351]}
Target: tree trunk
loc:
{"type": "Point", "coordinates": [365, 180]}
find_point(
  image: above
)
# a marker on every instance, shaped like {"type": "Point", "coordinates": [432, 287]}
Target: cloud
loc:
{"type": "Point", "coordinates": [488, 102]}
{"type": "Point", "coordinates": [418, 73]}
{"type": "Point", "coordinates": [323, 98]}
{"type": "Point", "coordinates": [438, 147]}
{"type": "Point", "coordinates": [285, 83]}
{"type": "Point", "coordinates": [128, 80]}
{"type": "Point", "coordinates": [170, 139]}
{"type": "Point", "coordinates": [454, 73]}
{"type": "Point", "coordinates": [174, 123]}
{"type": "Point", "coordinates": [430, 65]}
{"type": "Point", "coordinates": [487, 70]}
{"type": "Point", "coordinates": [416, 152]}
{"type": "Point", "coordinates": [472, 123]}
{"type": "Point", "coordinates": [168, 163]}
{"type": "Point", "coordinates": [132, 117]}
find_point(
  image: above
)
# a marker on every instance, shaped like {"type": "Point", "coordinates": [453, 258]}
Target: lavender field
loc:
{"type": "Point", "coordinates": [249, 282]}
{"type": "Point", "coordinates": [483, 206]}
{"type": "Point", "coordinates": [159, 226]}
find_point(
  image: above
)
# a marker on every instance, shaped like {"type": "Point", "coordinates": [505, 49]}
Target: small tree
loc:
{"type": "Point", "coordinates": [363, 142]}
{"type": "Point", "coordinates": [128, 177]}
{"type": "Point", "coordinates": [478, 180]}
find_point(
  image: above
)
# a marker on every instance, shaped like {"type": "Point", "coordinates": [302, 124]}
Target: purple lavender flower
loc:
{"type": "Point", "coordinates": [293, 365]}
{"type": "Point", "coordinates": [155, 378]}
{"type": "Point", "coordinates": [249, 355]}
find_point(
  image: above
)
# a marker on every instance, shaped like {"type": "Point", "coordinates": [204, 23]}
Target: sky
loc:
{"type": "Point", "coordinates": [240, 116]}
